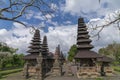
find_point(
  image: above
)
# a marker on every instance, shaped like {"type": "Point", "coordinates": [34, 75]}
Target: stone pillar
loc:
{"type": "Point", "coordinates": [39, 67]}
{"type": "Point", "coordinates": [25, 70]}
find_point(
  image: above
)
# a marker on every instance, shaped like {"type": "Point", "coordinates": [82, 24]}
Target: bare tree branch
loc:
{"type": "Point", "coordinates": [112, 19]}
{"type": "Point", "coordinates": [18, 8]}
{"type": "Point", "coordinates": [8, 19]}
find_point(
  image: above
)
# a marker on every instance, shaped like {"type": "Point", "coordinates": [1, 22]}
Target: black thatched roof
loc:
{"type": "Point", "coordinates": [105, 59]}
{"type": "Point", "coordinates": [50, 55]}
{"type": "Point", "coordinates": [45, 49]}
{"type": "Point", "coordinates": [83, 41]}
{"type": "Point", "coordinates": [34, 51]}
{"type": "Point", "coordinates": [87, 54]}
{"type": "Point", "coordinates": [35, 46]}
{"type": "Point", "coordinates": [34, 56]}
{"type": "Point", "coordinates": [31, 56]}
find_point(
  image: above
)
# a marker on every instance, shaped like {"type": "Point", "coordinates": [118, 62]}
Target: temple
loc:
{"type": "Point", "coordinates": [40, 62]}
{"type": "Point", "coordinates": [90, 63]}
{"type": "Point", "coordinates": [34, 49]}
{"type": "Point", "coordinates": [39, 55]}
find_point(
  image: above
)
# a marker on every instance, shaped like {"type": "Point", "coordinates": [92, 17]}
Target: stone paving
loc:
{"type": "Point", "coordinates": [19, 76]}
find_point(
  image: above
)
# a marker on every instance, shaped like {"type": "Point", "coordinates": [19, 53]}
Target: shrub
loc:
{"type": "Point", "coordinates": [6, 72]}
{"type": "Point", "coordinates": [99, 79]}
{"type": "Point", "coordinates": [0, 76]}
{"type": "Point", "coordinates": [117, 69]}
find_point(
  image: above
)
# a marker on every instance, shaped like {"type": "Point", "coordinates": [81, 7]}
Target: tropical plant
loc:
{"type": "Point", "coordinates": [72, 52]}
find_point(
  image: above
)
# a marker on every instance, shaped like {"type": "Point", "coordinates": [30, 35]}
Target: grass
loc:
{"type": "Point", "coordinates": [99, 79]}
{"type": "Point", "coordinates": [6, 72]}
{"type": "Point", "coordinates": [116, 68]}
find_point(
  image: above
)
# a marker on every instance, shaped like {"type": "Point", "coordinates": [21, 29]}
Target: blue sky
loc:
{"type": "Point", "coordinates": [62, 25]}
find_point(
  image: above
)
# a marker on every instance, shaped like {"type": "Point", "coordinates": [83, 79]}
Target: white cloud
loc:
{"type": "Point", "coordinates": [38, 16]}
{"type": "Point", "coordinates": [68, 22]}
{"type": "Point", "coordinates": [109, 34]}
{"type": "Point", "coordinates": [3, 31]}
{"type": "Point", "coordinates": [19, 36]}
{"type": "Point", "coordinates": [30, 14]}
{"type": "Point", "coordinates": [52, 22]}
{"type": "Point", "coordinates": [65, 36]}
{"type": "Point", "coordinates": [53, 6]}
{"type": "Point", "coordinates": [49, 16]}
{"type": "Point", "coordinates": [90, 8]}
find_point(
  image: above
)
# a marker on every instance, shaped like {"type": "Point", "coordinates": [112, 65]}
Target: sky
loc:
{"type": "Point", "coordinates": [61, 27]}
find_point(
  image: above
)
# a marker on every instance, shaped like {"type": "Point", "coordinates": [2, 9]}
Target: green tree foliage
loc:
{"type": "Point", "coordinates": [112, 50]}
{"type": "Point", "coordinates": [18, 59]}
{"type": "Point", "coordinates": [9, 58]}
{"type": "Point", "coordinates": [5, 48]}
{"type": "Point", "coordinates": [72, 52]}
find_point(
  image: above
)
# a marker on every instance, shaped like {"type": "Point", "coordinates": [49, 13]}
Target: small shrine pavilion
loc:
{"type": "Point", "coordinates": [86, 58]}
{"type": "Point", "coordinates": [58, 62]}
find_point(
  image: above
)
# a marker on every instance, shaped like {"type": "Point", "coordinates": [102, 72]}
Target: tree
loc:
{"type": "Point", "coordinates": [5, 48]}
{"type": "Point", "coordinates": [112, 50]}
{"type": "Point", "coordinates": [19, 8]}
{"type": "Point", "coordinates": [72, 52]}
{"type": "Point", "coordinates": [17, 60]}
{"type": "Point", "coordinates": [9, 58]}
{"type": "Point", "coordinates": [3, 57]}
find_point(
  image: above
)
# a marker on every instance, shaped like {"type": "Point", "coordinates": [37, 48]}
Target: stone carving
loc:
{"type": "Point", "coordinates": [57, 69]}
{"type": "Point", "coordinates": [69, 69]}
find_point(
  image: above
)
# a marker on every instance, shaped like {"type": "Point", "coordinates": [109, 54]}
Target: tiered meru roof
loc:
{"type": "Point", "coordinates": [45, 47]}
{"type": "Point", "coordinates": [83, 42]}
{"type": "Point", "coordinates": [35, 47]}
{"type": "Point", "coordinates": [58, 54]}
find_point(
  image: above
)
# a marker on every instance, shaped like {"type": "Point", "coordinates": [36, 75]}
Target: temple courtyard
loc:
{"type": "Point", "coordinates": [19, 76]}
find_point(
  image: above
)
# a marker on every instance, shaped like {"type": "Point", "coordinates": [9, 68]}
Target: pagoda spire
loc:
{"type": "Point", "coordinates": [45, 49]}
{"type": "Point", "coordinates": [35, 46]}
{"type": "Point", "coordinates": [57, 52]}
{"type": "Point", "coordinates": [83, 41]}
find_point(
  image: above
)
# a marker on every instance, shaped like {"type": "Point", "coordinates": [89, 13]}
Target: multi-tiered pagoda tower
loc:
{"type": "Point", "coordinates": [84, 54]}
{"type": "Point", "coordinates": [87, 59]}
{"type": "Point", "coordinates": [45, 51]}
{"type": "Point", "coordinates": [45, 47]}
{"type": "Point", "coordinates": [83, 41]}
{"type": "Point", "coordinates": [34, 49]}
